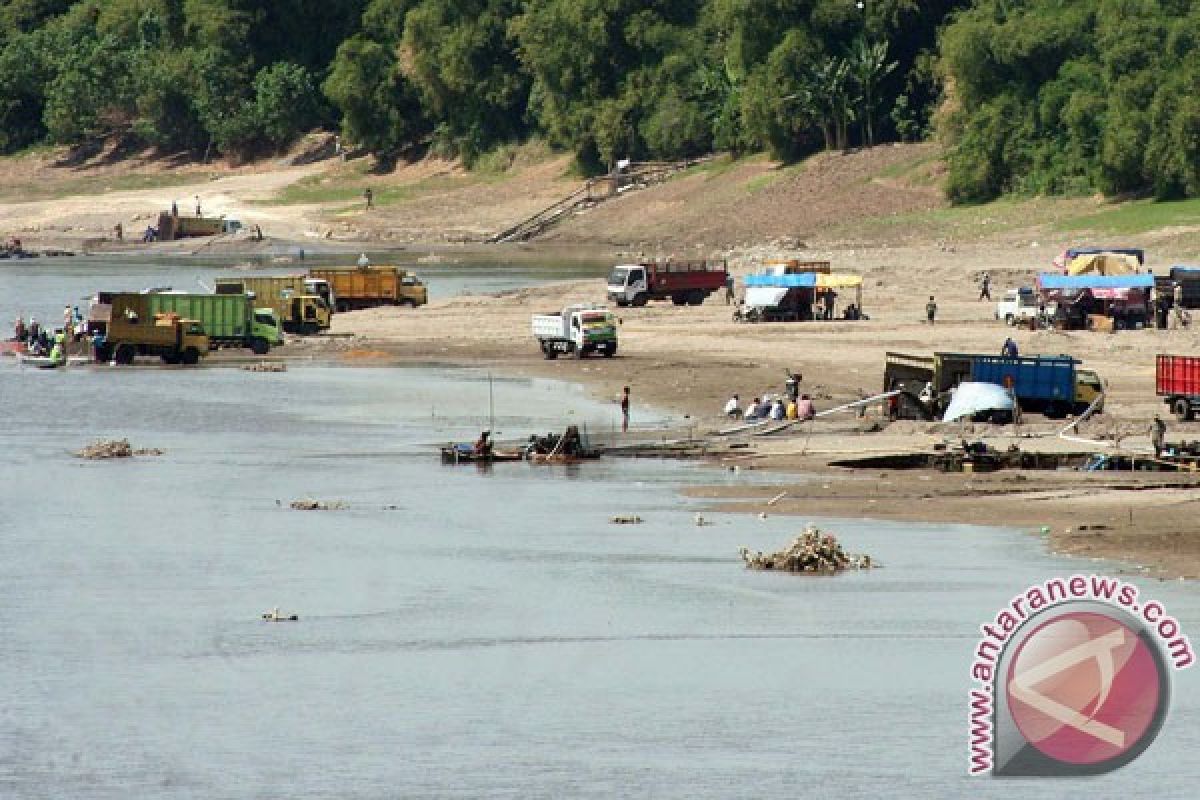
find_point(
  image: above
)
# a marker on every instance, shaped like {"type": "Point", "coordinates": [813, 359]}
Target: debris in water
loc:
{"type": "Point", "coordinates": [274, 616]}
{"type": "Point", "coordinates": [811, 551]}
{"type": "Point", "coordinates": [632, 519]}
{"type": "Point", "coordinates": [266, 366]}
{"type": "Point", "coordinates": [317, 505]}
{"type": "Point", "coordinates": [114, 448]}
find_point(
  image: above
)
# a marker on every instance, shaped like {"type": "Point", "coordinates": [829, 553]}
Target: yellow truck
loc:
{"type": "Point", "coordinates": [134, 329]}
{"type": "Point", "coordinates": [296, 299]}
{"type": "Point", "coordinates": [173, 226]}
{"type": "Point", "coordinates": [370, 287]}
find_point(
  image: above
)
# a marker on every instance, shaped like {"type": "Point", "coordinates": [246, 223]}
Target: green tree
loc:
{"type": "Point", "coordinates": [868, 65]}
{"type": "Point", "coordinates": [380, 109]}
{"type": "Point", "coordinates": [286, 102]}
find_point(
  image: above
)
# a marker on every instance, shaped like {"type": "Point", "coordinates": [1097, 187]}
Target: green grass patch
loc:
{"type": "Point", "coordinates": [17, 192]}
{"type": "Point", "coordinates": [345, 187]}
{"type": "Point", "coordinates": [771, 177]}
{"type": "Point", "coordinates": [1136, 217]}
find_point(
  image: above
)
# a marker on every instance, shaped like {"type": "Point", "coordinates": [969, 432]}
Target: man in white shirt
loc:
{"type": "Point", "coordinates": [733, 408]}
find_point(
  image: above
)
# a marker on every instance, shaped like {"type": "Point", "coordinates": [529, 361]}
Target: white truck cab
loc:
{"type": "Point", "coordinates": [627, 285]}
{"type": "Point", "coordinates": [1019, 305]}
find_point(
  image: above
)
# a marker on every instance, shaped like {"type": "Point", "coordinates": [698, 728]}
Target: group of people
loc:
{"type": "Point", "coordinates": [40, 340]}
{"type": "Point", "coordinates": [767, 407]}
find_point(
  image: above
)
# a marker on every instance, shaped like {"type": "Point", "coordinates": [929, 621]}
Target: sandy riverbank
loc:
{"type": "Point", "coordinates": [689, 359]}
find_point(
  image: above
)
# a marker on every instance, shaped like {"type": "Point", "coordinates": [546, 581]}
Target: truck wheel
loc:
{"type": "Point", "coordinates": [549, 352]}
{"type": "Point", "coordinates": [581, 352]}
{"type": "Point", "coordinates": [1183, 409]}
{"type": "Point", "coordinates": [679, 299]}
{"type": "Point", "coordinates": [260, 346]}
{"type": "Point", "coordinates": [1009, 320]}
{"type": "Point", "coordinates": [610, 351]}
{"type": "Point", "coordinates": [696, 298]}
{"type": "Point", "coordinates": [169, 358]}
{"type": "Point", "coordinates": [103, 354]}
{"type": "Point", "coordinates": [124, 354]}
{"type": "Point", "coordinates": [342, 306]}
{"type": "Point", "coordinates": [190, 356]}
{"type": "Point", "coordinates": [640, 299]}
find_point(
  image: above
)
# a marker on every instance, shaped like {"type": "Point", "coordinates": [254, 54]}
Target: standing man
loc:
{"type": "Point", "coordinates": [1009, 350]}
{"type": "Point", "coordinates": [369, 196]}
{"type": "Point", "coordinates": [728, 288]}
{"type": "Point", "coordinates": [931, 310]}
{"type": "Point", "coordinates": [363, 261]}
{"type": "Point", "coordinates": [1158, 435]}
{"type": "Point", "coordinates": [197, 205]}
{"type": "Point", "coordinates": [625, 410]}
{"type": "Point", "coordinates": [1177, 302]}
{"type": "Point", "coordinates": [985, 287]}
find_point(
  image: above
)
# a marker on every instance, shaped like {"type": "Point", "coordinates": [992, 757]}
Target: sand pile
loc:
{"type": "Point", "coordinates": [811, 551]}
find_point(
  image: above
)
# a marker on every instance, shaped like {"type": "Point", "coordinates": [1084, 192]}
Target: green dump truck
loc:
{"type": "Point", "coordinates": [296, 299]}
{"type": "Point", "coordinates": [135, 329]}
{"type": "Point", "coordinates": [230, 320]}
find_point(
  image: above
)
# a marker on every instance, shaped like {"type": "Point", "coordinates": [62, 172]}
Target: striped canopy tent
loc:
{"type": "Point", "coordinates": [1103, 264]}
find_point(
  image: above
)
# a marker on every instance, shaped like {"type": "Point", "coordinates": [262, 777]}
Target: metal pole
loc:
{"type": "Point", "coordinates": [491, 405]}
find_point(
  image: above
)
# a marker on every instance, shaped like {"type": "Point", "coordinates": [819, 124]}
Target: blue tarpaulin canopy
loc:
{"type": "Point", "coordinates": [1069, 283]}
{"type": "Point", "coordinates": [803, 280]}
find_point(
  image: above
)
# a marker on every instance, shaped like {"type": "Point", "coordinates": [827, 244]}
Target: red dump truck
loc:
{"type": "Point", "coordinates": [1177, 382]}
{"type": "Point", "coordinates": [684, 282]}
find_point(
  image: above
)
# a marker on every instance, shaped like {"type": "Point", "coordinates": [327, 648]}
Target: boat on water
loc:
{"type": "Point", "coordinates": [11, 347]}
{"type": "Point", "coordinates": [465, 454]}
{"type": "Point", "coordinates": [41, 362]}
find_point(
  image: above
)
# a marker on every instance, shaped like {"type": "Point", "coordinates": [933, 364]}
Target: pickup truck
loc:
{"type": "Point", "coordinates": [683, 282]}
{"type": "Point", "coordinates": [581, 330]}
{"type": "Point", "coordinates": [1020, 305]}
{"type": "Point", "coordinates": [1177, 382]}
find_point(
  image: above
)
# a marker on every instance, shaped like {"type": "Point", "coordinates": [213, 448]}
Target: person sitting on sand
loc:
{"type": "Point", "coordinates": [752, 410]}
{"type": "Point", "coordinates": [804, 408]}
{"type": "Point", "coordinates": [733, 408]}
{"type": "Point", "coordinates": [777, 409]}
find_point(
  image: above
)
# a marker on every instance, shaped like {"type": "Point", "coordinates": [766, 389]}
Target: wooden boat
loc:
{"type": "Point", "coordinates": [465, 454]}
{"type": "Point", "coordinates": [41, 362]}
{"type": "Point", "coordinates": [563, 458]}
{"type": "Point", "coordinates": [10, 347]}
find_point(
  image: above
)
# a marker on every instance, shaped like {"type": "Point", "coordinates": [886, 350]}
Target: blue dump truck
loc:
{"type": "Point", "coordinates": [1052, 385]}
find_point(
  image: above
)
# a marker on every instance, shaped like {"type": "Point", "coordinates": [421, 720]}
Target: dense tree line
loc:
{"type": "Point", "coordinates": [1032, 95]}
{"type": "Point", "coordinates": [1074, 96]}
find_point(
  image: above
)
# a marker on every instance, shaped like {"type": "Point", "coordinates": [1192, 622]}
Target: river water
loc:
{"type": "Point", "coordinates": [463, 632]}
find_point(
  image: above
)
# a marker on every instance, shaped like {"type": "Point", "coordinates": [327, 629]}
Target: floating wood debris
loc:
{"type": "Point", "coordinates": [114, 448]}
{"type": "Point", "coordinates": [811, 551]}
{"type": "Point", "coordinates": [629, 519]}
{"type": "Point", "coordinates": [266, 366]}
{"type": "Point", "coordinates": [317, 505]}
